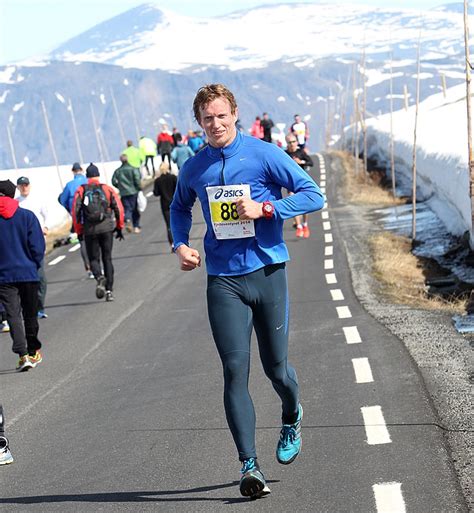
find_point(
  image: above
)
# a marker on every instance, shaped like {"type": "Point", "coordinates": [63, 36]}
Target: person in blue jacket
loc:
{"type": "Point", "coordinates": [22, 249]}
{"type": "Point", "coordinates": [66, 199]}
{"type": "Point", "coordinates": [239, 180]}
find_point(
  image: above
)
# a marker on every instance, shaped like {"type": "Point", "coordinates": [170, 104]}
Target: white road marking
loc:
{"type": "Point", "coordinates": [325, 206]}
{"type": "Point", "coordinates": [329, 263]}
{"type": "Point", "coordinates": [149, 193]}
{"type": "Point", "coordinates": [375, 427]}
{"type": "Point", "coordinates": [323, 190]}
{"type": "Point", "coordinates": [322, 183]}
{"type": "Point", "coordinates": [331, 278]}
{"type": "Point", "coordinates": [337, 295]}
{"type": "Point", "coordinates": [57, 260]}
{"type": "Point", "coordinates": [326, 225]}
{"type": "Point", "coordinates": [328, 250]}
{"type": "Point", "coordinates": [75, 247]}
{"type": "Point", "coordinates": [352, 335]}
{"type": "Point", "coordinates": [325, 215]}
{"type": "Point", "coordinates": [362, 370]}
{"type": "Point", "coordinates": [343, 312]}
{"type": "Point", "coordinates": [389, 498]}
{"type": "Point", "coordinates": [327, 237]}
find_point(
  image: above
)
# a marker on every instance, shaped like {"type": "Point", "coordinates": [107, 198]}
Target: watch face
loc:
{"type": "Point", "coordinates": [268, 208]}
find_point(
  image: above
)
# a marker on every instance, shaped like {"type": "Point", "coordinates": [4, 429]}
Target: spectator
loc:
{"type": "Point", "coordinates": [22, 250]}
{"type": "Point", "coordinates": [39, 207]}
{"type": "Point", "coordinates": [181, 152]}
{"type": "Point", "coordinates": [267, 125]}
{"type": "Point", "coordinates": [127, 180]}
{"type": "Point", "coordinates": [97, 213]}
{"type": "Point", "coordinates": [257, 128]}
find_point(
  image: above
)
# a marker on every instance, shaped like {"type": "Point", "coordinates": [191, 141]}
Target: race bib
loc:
{"type": "Point", "coordinates": [224, 217]}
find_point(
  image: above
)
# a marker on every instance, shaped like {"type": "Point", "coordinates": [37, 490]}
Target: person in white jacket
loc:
{"type": "Point", "coordinates": [39, 207]}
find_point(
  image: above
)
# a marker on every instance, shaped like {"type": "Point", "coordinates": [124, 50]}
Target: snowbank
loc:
{"type": "Point", "coordinates": [442, 154]}
{"type": "Point", "coordinates": [47, 182]}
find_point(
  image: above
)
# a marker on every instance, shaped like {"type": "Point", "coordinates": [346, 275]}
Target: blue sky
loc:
{"type": "Point", "coordinates": [32, 27]}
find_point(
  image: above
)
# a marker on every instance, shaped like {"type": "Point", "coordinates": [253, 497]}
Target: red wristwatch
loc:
{"type": "Point", "coordinates": [268, 209]}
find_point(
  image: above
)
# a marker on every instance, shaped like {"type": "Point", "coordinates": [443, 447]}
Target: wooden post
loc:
{"type": "Point", "coordinates": [364, 111]}
{"type": "Point", "coordinates": [12, 148]}
{"type": "Point", "coordinates": [51, 142]}
{"type": "Point", "coordinates": [354, 106]}
{"type": "Point", "coordinates": [76, 133]}
{"type": "Point", "coordinates": [96, 132]}
{"type": "Point", "coordinates": [443, 83]}
{"type": "Point", "coordinates": [135, 119]}
{"type": "Point", "coordinates": [405, 94]}
{"type": "Point", "coordinates": [392, 153]}
{"type": "Point", "coordinates": [413, 226]}
{"type": "Point", "coordinates": [469, 124]}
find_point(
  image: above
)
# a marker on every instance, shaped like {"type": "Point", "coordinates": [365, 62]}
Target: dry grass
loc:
{"type": "Point", "coordinates": [58, 233]}
{"type": "Point", "coordinates": [364, 190]}
{"type": "Point", "coordinates": [402, 277]}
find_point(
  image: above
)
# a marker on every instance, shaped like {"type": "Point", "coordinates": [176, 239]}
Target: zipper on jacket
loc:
{"type": "Point", "coordinates": [222, 178]}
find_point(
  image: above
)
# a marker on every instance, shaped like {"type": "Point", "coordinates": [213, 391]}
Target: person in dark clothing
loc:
{"type": "Point", "coordinates": [5, 455]}
{"type": "Point", "coordinates": [267, 124]}
{"type": "Point", "coordinates": [97, 215]}
{"type": "Point", "coordinates": [128, 182]}
{"type": "Point", "coordinates": [164, 186]}
{"type": "Point", "coordinates": [304, 161]}
{"type": "Point", "coordinates": [165, 143]}
{"type": "Point", "coordinates": [22, 249]}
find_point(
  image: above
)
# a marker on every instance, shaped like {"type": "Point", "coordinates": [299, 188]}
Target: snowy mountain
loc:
{"type": "Point", "coordinates": [279, 58]}
{"type": "Point", "coordinates": [148, 37]}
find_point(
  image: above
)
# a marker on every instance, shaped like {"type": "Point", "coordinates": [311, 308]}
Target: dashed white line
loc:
{"type": "Point", "coordinates": [362, 370]}
{"type": "Point", "coordinates": [352, 335]}
{"type": "Point", "coordinates": [337, 295]}
{"type": "Point", "coordinates": [326, 225]}
{"type": "Point", "coordinates": [343, 312]}
{"type": "Point", "coordinates": [329, 264]}
{"type": "Point", "coordinates": [149, 193]}
{"type": "Point", "coordinates": [75, 248]}
{"type": "Point", "coordinates": [375, 427]}
{"type": "Point", "coordinates": [328, 251]}
{"type": "Point", "coordinates": [389, 498]}
{"type": "Point", "coordinates": [325, 215]}
{"type": "Point", "coordinates": [331, 278]}
{"type": "Point", "coordinates": [323, 190]}
{"type": "Point", "coordinates": [57, 260]}
{"type": "Point", "coordinates": [322, 183]}
{"type": "Point", "coordinates": [328, 237]}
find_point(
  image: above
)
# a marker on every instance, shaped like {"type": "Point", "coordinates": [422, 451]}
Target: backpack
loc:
{"type": "Point", "coordinates": [95, 206]}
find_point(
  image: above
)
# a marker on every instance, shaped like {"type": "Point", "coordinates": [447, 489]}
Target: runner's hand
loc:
{"type": "Point", "coordinates": [249, 209]}
{"type": "Point", "coordinates": [189, 258]}
{"type": "Point", "coordinates": [118, 234]}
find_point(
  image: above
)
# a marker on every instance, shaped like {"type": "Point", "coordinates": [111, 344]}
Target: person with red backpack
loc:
{"type": "Point", "coordinates": [97, 214]}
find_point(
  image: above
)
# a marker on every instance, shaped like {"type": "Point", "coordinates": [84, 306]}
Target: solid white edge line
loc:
{"type": "Point", "coordinates": [149, 193]}
{"type": "Point", "coordinates": [331, 278]}
{"type": "Point", "coordinates": [352, 335]}
{"type": "Point", "coordinates": [337, 295]}
{"type": "Point", "coordinates": [75, 247]}
{"type": "Point", "coordinates": [326, 225]}
{"type": "Point", "coordinates": [375, 427]}
{"type": "Point", "coordinates": [389, 498]}
{"type": "Point", "coordinates": [329, 264]}
{"type": "Point", "coordinates": [362, 370]}
{"type": "Point", "coordinates": [57, 260]}
{"type": "Point", "coordinates": [327, 237]}
{"type": "Point", "coordinates": [328, 250]}
{"type": "Point", "coordinates": [343, 312]}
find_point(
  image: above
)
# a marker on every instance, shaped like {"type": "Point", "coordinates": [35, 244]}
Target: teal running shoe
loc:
{"type": "Point", "coordinates": [289, 444]}
{"type": "Point", "coordinates": [252, 482]}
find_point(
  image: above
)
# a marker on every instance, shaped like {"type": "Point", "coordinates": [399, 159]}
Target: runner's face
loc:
{"type": "Point", "coordinates": [218, 122]}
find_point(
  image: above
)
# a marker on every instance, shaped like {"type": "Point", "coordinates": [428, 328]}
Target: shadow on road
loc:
{"type": "Point", "coordinates": [138, 496]}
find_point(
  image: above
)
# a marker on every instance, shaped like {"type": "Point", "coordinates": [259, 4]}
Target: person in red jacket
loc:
{"type": "Point", "coordinates": [97, 214]}
{"type": "Point", "coordinates": [165, 144]}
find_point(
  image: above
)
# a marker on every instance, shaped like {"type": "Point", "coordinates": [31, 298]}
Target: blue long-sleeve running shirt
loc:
{"type": "Point", "coordinates": [266, 169]}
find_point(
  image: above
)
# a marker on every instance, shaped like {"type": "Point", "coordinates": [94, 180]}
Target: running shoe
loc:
{"type": "Point", "coordinates": [4, 327]}
{"type": "Point", "coordinates": [137, 230]}
{"type": "Point", "coordinates": [109, 296]}
{"type": "Point", "coordinates": [289, 444]}
{"type": "Point", "coordinates": [24, 364]}
{"type": "Point", "coordinates": [299, 232]}
{"type": "Point", "coordinates": [306, 231]}
{"type": "Point", "coordinates": [128, 226]}
{"type": "Point", "coordinates": [90, 275]}
{"type": "Point", "coordinates": [5, 454]}
{"type": "Point", "coordinates": [100, 288]}
{"type": "Point", "coordinates": [252, 481]}
{"type": "Point", "coordinates": [42, 314]}
{"type": "Point", "coordinates": [36, 358]}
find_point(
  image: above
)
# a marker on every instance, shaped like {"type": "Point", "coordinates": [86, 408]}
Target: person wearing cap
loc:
{"type": "Point", "coordinates": [39, 207]}
{"type": "Point", "coordinates": [66, 198]}
{"type": "Point", "coordinates": [22, 248]}
{"type": "Point", "coordinates": [98, 235]}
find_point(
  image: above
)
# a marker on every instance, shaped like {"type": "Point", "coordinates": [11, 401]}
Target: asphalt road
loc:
{"type": "Point", "coordinates": [125, 413]}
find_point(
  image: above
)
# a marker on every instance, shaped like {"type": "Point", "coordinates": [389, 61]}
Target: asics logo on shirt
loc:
{"type": "Point", "coordinates": [237, 193]}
